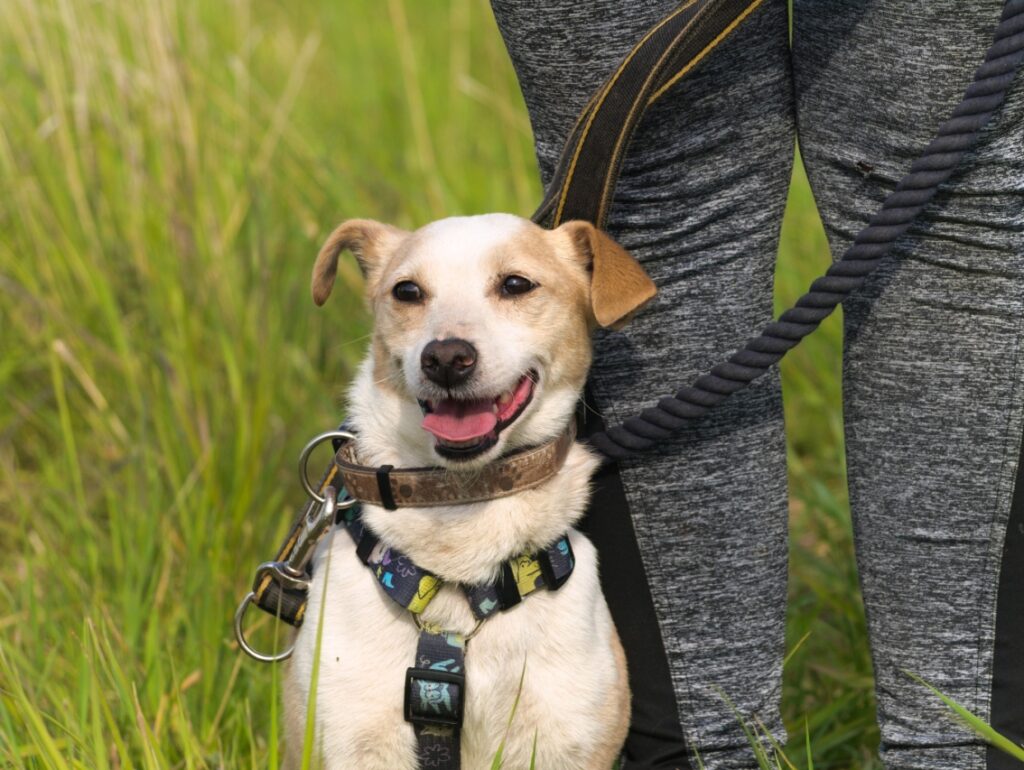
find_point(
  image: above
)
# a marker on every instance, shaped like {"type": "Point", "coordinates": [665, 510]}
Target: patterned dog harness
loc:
{"type": "Point", "coordinates": [435, 686]}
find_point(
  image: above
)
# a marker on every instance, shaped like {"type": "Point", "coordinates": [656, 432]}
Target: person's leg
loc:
{"type": "Point", "coordinates": [699, 203]}
{"type": "Point", "coordinates": [933, 372]}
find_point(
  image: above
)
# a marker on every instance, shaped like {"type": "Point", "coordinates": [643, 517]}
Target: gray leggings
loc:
{"type": "Point", "coordinates": [932, 387]}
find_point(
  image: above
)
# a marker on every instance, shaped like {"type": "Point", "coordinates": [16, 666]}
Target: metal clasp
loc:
{"type": "Point", "coordinates": [292, 573]}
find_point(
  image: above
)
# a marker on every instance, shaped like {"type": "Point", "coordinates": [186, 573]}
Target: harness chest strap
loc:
{"type": "Point", "coordinates": [412, 587]}
{"type": "Point", "coordinates": [434, 694]}
{"type": "Point", "coordinates": [435, 686]}
{"type": "Point", "coordinates": [435, 691]}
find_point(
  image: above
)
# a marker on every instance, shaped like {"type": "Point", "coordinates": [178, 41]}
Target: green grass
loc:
{"type": "Point", "coordinates": [167, 171]}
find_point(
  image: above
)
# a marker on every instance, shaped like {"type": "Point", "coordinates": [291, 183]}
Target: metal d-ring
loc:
{"type": "Point", "coordinates": [240, 635]}
{"type": "Point", "coordinates": [427, 627]}
{"type": "Point", "coordinates": [308, 450]}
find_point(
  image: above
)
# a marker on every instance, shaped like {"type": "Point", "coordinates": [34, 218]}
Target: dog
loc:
{"type": "Point", "coordinates": [480, 347]}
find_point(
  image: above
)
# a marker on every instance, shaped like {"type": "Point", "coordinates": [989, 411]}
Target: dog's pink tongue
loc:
{"type": "Point", "coordinates": [461, 420]}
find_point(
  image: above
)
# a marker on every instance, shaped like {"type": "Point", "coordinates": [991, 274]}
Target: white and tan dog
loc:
{"type": "Point", "coordinates": [481, 345]}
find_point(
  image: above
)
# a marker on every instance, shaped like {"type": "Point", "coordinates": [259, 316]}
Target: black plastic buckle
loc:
{"type": "Point", "coordinates": [413, 676]}
{"type": "Point", "coordinates": [547, 570]}
{"type": "Point", "coordinates": [387, 499]}
{"type": "Point", "coordinates": [506, 588]}
{"type": "Point", "coordinates": [365, 546]}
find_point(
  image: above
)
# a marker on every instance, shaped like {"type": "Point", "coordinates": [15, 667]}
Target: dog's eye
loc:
{"type": "Point", "coordinates": [516, 284]}
{"type": "Point", "coordinates": [407, 291]}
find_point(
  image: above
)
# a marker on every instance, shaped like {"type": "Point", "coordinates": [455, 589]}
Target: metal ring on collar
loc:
{"type": "Point", "coordinates": [429, 627]}
{"type": "Point", "coordinates": [240, 636]}
{"type": "Point", "coordinates": [308, 450]}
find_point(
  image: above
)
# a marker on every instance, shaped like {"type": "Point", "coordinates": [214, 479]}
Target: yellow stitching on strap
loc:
{"type": "Point", "coordinates": [579, 145]}
{"type": "Point", "coordinates": [693, 62]}
{"type": "Point", "coordinates": [608, 183]}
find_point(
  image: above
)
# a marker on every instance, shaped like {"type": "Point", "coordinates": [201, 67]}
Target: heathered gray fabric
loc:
{"type": "Point", "coordinates": [932, 451]}
{"type": "Point", "coordinates": [932, 373]}
{"type": "Point", "coordinates": [699, 203]}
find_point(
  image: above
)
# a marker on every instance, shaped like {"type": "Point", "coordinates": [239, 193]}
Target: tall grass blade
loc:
{"type": "Point", "coordinates": [500, 753]}
{"type": "Point", "coordinates": [309, 735]}
{"type": "Point", "coordinates": [978, 725]}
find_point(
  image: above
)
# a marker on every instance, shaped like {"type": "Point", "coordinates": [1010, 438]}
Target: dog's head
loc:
{"type": "Point", "coordinates": [485, 322]}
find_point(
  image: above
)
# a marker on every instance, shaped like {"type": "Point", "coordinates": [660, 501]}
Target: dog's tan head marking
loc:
{"type": "Point", "coordinates": [512, 305]}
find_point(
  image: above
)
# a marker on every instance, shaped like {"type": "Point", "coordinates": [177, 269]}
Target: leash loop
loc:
{"type": "Point", "coordinates": [244, 644]}
{"type": "Point", "coordinates": [307, 450]}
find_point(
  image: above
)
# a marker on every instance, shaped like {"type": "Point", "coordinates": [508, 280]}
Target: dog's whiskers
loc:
{"type": "Point", "coordinates": [587, 407]}
{"type": "Point", "coordinates": [355, 340]}
{"type": "Point", "coordinates": [393, 378]}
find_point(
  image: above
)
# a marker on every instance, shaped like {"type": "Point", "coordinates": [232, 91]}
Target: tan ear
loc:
{"type": "Point", "coordinates": [371, 242]}
{"type": "Point", "coordinates": [619, 287]}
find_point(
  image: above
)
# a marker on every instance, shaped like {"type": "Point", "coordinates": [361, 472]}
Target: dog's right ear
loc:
{"type": "Point", "coordinates": [369, 241]}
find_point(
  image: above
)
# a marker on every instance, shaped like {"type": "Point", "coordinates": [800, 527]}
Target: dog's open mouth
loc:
{"type": "Point", "coordinates": [465, 428]}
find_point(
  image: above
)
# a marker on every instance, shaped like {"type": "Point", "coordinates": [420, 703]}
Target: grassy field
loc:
{"type": "Point", "coordinates": [167, 171]}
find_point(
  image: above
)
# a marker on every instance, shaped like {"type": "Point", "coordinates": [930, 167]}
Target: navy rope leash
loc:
{"type": "Point", "coordinates": [940, 158]}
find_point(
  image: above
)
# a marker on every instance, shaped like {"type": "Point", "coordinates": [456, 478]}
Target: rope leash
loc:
{"type": "Point", "coordinates": [598, 143]}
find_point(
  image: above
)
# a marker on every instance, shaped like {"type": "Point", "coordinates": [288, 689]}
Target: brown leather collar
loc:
{"type": "Point", "coordinates": [424, 487]}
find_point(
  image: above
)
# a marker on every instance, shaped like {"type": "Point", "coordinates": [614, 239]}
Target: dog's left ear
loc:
{"type": "Point", "coordinates": [619, 287]}
{"type": "Point", "coordinates": [371, 242]}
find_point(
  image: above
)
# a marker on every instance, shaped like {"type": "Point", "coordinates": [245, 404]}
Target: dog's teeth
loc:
{"type": "Point", "coordinates": [494, 408]}
{"type": "Point", "coordinates": [505, 398]}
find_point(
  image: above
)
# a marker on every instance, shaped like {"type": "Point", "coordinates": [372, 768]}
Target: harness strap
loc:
{"type": "Point", "coordinates": [522, 576]}
{"type": "Point", "coordinates": [409, 585]}
{"type": "Point", "coordinates": [435, 696]}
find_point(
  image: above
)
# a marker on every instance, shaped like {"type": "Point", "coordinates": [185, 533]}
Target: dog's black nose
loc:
{"type": "Point", "coordinates": [448, 362]}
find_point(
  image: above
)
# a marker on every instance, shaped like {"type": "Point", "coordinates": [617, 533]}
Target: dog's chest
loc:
{"type": "Point", "coordinates": [560, 639]}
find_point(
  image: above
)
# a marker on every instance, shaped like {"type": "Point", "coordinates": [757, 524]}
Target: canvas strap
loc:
{"type": "Point", "coordinates": [589, 165]}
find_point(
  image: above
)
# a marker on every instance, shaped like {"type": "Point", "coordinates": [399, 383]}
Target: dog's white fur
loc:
{"type": "Point", "coordinates": [575, 696]}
